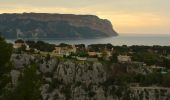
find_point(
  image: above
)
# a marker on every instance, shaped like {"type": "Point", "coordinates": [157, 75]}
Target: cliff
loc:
{"type": "Point", "coordinates": [43, 25]}
{"type": "Point", "coordinates": [66, 79]}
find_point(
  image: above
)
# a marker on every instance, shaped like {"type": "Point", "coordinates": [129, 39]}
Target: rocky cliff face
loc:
{"type": "Point", "coordinates": [43, 25]}
{"type": "Point", "coordinates": [74, 80]}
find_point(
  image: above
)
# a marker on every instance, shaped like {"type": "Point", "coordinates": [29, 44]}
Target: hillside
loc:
{"type": "Point", "coordinates": [63, 26]}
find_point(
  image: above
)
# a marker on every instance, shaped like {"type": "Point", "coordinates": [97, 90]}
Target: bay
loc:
{"type": "Point", "coordinates": [148, 40]}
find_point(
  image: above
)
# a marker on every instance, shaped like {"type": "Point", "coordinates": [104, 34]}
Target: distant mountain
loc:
{"type": "Point", "coordinates": [63, 26]}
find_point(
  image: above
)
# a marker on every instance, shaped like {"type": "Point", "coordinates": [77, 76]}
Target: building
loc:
{"type": "Point", "coordinates": [81, 58]}
{"type": "Point", "coordinates": [99, 54]}
{"type": "Point", "coordinates": [109, 53]}
{"type": "Point", "coordinates": [67, 50]}
{"type": "Point", "coordinates": [92, 54]}
{"type": "Point", "coordinates": [168, 56]}
{"type": "Point", "coordinates": [27, 47]}
{"type": "Point", "coordinates": [124, 58]}
{"type": "Point", "coordinates": [92, 59]}
{"type": "Point", "coordinates": [160, 69]}
{"type": "Point", "coordinates": [18, 44]}
{"type": "Point", "coordinates": [57, 50]}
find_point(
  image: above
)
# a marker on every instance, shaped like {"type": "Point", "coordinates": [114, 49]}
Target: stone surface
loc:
{"type": "Point", "coordinates": [66, 79]}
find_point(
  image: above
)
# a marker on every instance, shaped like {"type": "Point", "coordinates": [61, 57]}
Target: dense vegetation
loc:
{"type": "Point", "coordinates": [151, 79]}
{"type": "Point", "coordinates": [42, 46]}
{"type": "Point", "coordinates": [28, 85]}
{"type": "Point", "coordinates": [5, 52]}
{"type": "Point", "coordinates": [5, 67]}
{"type": "Point", "coordinates": [151, 55]}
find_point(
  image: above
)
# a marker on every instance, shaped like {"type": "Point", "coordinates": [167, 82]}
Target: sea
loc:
{"type": "Point", "coordinates": [129, 40]}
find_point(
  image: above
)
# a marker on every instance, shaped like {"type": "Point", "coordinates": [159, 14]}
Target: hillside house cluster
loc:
{"type": "Point", "coordinates": [91, 53]}
{"type": "Point", "coordinates": [73, 49]}
{"type": "Point", "coordinates": [61, 51]}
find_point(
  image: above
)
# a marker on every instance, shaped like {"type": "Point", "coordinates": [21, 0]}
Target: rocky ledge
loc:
{"type": "Point", "coordinates": [66, 79]}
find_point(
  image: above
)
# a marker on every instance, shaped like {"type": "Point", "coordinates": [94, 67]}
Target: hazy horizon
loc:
{"type": "Point", "coordinates": [127, 16]}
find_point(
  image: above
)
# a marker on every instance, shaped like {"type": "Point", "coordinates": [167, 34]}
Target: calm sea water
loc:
{"type": "Point", "coordinates": [163, 40]}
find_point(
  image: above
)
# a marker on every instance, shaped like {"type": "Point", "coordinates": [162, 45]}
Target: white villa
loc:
{"type": "Point", "coordinates": [124, 58]}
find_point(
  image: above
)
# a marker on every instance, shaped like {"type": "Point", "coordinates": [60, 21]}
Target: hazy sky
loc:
{"type": "Point", "coordinates": [127, 16]}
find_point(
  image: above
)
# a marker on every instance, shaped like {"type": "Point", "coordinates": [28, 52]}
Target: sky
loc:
{"type": "Point", "coordinates": [127, 16]}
